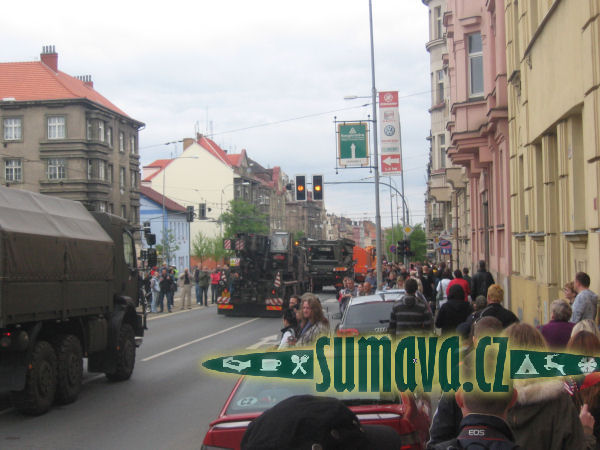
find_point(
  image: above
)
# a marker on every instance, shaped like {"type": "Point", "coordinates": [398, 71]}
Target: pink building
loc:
{"type": "Point", "coordinates": [479, 125]}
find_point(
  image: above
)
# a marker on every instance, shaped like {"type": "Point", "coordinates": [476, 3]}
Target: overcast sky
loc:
{"type": "Point", "coordinates": [243, 66]}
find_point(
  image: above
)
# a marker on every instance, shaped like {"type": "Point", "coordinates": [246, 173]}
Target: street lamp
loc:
{"type": "Point", "coordinates": [166, 247]}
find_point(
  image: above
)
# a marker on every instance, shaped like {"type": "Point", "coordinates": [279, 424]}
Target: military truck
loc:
{"type": "Point", "coordinates": [264, 272]}
{"type": "Point", "coordinates": [68, 290]}
{"type": "Point", "coordinates": [329, 262]}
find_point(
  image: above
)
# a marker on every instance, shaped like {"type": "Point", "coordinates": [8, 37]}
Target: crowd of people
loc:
{"type": "Point", "coordinates": [162, 282]}
{"type": "Point", "coordinates": [535, 413]}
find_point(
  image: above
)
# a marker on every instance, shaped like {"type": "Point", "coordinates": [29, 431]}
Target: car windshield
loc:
{"type": "Point", "coordinates": [259, 394]}
{"type": "Point", "coordinates": [368, 313]}
{"type": "Point", "coordinates": [322, 253]}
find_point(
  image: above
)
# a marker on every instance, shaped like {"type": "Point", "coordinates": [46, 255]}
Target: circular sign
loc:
{"type": "Point", "coordinates": [389, 130]}
{"type": "Point", "coordinates": [392, 249]}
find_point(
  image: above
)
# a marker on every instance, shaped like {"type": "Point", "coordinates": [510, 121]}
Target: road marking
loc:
{"type": "Point", "coordinates": [174, 313]}
{"type": "Point", "coordinates": [149, 358]}
{"type": "Point", "coordinates": [264, 342]}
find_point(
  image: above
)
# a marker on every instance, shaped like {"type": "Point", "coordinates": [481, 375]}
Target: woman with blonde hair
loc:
{"type": "Point", "coordinates": [544, 417]}
{"type": "Point", "coordinates": [586, 325]}
{"type": "Point", "coordinates": [314, 323]}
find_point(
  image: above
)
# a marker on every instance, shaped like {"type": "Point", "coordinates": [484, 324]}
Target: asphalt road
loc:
{"type": "Point", "coordinates": [170, 399]}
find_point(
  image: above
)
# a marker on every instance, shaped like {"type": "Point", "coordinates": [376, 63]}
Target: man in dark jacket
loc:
{"type": "Point", "coordinates": [454, 312]}
{"type": "Point", "coordinates": [481, 281]}
{"type": "Point", "coordinates": [410, 314]}
{"type": "Point", "coordinates": [484, 422]}
{"type": "Point", "coordinates": [429, 284]}
{"type": "Point", "coordinates": [495, 309]}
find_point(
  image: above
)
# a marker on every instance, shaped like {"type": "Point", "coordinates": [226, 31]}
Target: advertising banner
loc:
{"type": "Point", "coordinates": [389, 123]}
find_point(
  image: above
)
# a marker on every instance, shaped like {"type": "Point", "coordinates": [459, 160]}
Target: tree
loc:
{"type": "Point", "coordinates": [201, 246]}
{"type": "Point", "coordinates": [216, 251]}
{"type": "Point", "coordinates": [243, 217]}
{"type": "Point", "coordinates": [167, 247]}
{"type": "Point", "coordinates": [418, 242]}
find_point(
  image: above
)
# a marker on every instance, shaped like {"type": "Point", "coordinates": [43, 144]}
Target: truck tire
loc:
{"type": "Point", "coordinates": [125, 355]}
{"type": "Point", "coordinates": [70, 368]}
{"type": "Point", "coordinates": [40, 383]}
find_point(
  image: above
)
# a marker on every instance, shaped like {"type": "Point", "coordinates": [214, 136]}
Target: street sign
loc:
{"type": "Point", "coordinates": [392, 249]}
{"type": "Point", "coordinates": [353, 149]}
{"type": "Point", "coordinates": [408, 230]}
{"type": "Point", "coordinates": [445, 247]}
{"type": "Point", "coordinates": [390, 163]}
{"type": "Point", "coordinates": [389, 122]}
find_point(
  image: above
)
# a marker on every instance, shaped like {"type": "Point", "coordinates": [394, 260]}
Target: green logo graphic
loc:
{"type": "Point", "coordinates": [378, 364]}
{"type": "Point", "coordinates": [352, 144]}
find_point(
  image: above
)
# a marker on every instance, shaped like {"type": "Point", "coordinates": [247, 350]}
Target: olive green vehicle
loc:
{"type": "Point", "coordinates": [329, 262]}
{"type": "Point", "coordinates": [68, 290]}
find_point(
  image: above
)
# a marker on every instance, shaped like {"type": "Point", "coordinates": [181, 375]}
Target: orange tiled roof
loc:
{"type": "Point", "coordinates": [30, 81]}
{"type": "Point", "coordinates": [161, 164]}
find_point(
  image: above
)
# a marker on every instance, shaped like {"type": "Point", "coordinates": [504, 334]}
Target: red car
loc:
{"type": "Point", "coordinates": [409, 416]}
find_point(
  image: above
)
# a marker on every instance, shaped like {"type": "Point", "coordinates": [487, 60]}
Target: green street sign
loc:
{"type": "Point", "coordinates": [353, 148]}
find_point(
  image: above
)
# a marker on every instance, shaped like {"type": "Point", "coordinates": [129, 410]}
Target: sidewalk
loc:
{"type": "Point", "coordinates": [177, 302]}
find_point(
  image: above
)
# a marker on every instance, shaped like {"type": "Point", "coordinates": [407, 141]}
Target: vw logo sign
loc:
{"type": "Point", "coordinates": [389, 130]}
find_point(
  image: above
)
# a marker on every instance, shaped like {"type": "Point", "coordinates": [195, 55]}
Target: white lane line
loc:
{"type": "Point", "coordinates": [149, 358]}
{"type": "Point", "coordinates": [267, 340]}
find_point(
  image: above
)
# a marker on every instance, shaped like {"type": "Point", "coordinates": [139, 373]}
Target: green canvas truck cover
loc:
{"type": "Point", "coordinates": [55, 259]}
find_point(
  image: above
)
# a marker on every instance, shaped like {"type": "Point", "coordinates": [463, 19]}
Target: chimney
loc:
{"type": "Point", "coordinates": [187, 142]}
{"type": "Point", "coordinates": [49, 57]}
{"type": "Point", "coordinates": [87, 80]}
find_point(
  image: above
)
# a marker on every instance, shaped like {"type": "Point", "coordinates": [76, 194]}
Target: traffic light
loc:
{"type": "Point", "coordinates": [150, 239]}
{"type": "Point", "coordinates": [190, 214]}
{"type": "Point", "coordinates": [202, 211]}
{"type": "Point", "coordinates": [152, 258]}
{"type": "Point", "coordinates": [300, 188]}
{"type": "Point", "coordinates": [317, 187]}
{"type": "Point", "coordinates": [146, 228]}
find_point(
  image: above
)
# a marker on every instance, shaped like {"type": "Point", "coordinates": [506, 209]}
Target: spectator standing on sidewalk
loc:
{"type": "Point", "coordinates": [585, 304]}
{"type": "Point", "coordinates": [481, 281]}
{"type": "Point", "coordinates": [186, 298]}
{"type": "Point", "coordinates": [202, 286]}
{"type": "Point", "coordinates": [164, 282]}
{"type": "Point", "coordinates": [155, 286]}
{"type": "Point", "coordinates": [215, 277]}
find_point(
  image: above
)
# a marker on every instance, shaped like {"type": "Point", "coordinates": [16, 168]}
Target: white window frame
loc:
{"type": "Point", "coordinates": [13, 170]}
{"type": "Point", "coordinates": [90, 169]}
{"type": "Point", "coordinates": [57, 127]}
{"type": "Point", "coordinates": [121, 142]}
{"type": "Point", "coordinates": [89, 130]}
{"type": "Point", "coordinates": [442, 150]}
{"type": "Point", "coordinates": [439, 86]}
{"type": "Point", "coordinates": [438, 30]}
{"type": "Point", "coordinates": [474, 55]}
{"type": "Point", "coordinates": [122, 177]}
{"type": "Point", "coordinates": [102, 170]}
{"type": "Point", "coordinates": [109, 136]}
{"type": "Point", "coordinates": [101, 135]}
{"type": "Point", "coordinates": [132, 144]}
{"type": "Point", "coordinates": [13, 129]}
{"type": "Point", "coordinates": [102, 206]}
{"type": "Point", "coordinates": [57, 169]}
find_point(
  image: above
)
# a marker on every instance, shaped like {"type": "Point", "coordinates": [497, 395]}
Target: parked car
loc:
{"type": "Point", "coordinates": [407, 414]}
{"type": "Point", "coordinates": [369, 314]}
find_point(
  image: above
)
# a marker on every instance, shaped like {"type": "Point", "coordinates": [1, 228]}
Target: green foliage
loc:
{"type": "Point", "coordinates": [243, 217]}
{"type": "Point", "coordinates": [167, 247]}
{"type": "Point", "coordinates": [299, 235]}
{"type": "Point", "coordinates": [418, 242]}
{"type": "Point", "coordinates": [216, 250]}
{"type": "Point", "coordinates": [201, 246]}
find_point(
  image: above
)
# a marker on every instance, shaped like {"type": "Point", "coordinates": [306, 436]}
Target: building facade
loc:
{"type": "Point", "coordinates": [554, 120]}
{"type": "Point", "coordinates": [446, 198]}
{"type": "Point", "coordinates": [166, 218]}
{"type": "Point", "coordinates": [478, 126]}
{"type": "Point", "coordinates": [61, 137]}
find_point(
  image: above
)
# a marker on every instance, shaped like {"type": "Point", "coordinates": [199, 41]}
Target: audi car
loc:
{"type": "Point", "coordinates": [369, 314]}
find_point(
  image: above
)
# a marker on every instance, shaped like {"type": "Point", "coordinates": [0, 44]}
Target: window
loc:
{"type": "Point", "coordinates": [56, 169]}
{"type": "Point", "coordinates": [438, 22]}
{"type": "Point", "coordinates": [12, 129]}
{"type": "Point", "coordinates": [442, 146]}
{"type": "Point", "coordinates": [110, 178]}
{"type": "Point", "coordinates": [89, 132]}
{"type": "Point", "coordinates": [132, 145]}
{"type": "Point", "coordinates": [111, 208]}
{"type": "Point", "coordinates": [102, 170]}
{"type": "Point", "coordinates": [102, 206]}
{"type": "Point", "coordinates": [56, 127]}
{"type": "Point", "coordinates": [122, 177]}
{"type": "Point", "coordinates": [440, 86]}
{"type": "Point", "coordinates": [135, 214]}
{"type": "Point", "coordinates": [109, 140]}
{"type": "Point", "coordinates": [13, 170]}
{"type": "Point", "coordinates": [123, 211]}
{"type": "Point", "coordinates": [133, 175]}
{"type": "Point", "coordinates": [475, 65]}
{"type": "Point", "coordinates": [90, 169]}
{"type": "Point", "coordinates": [121, 141]}
{"type": "Point", "coordinates": [101, 135]}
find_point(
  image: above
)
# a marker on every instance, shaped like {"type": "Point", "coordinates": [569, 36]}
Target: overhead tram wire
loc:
{"type": "Point", "coordinates": [277, 122]}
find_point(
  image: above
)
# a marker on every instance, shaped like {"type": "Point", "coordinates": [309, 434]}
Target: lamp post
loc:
{"type": "Point", "coordinates": [166, 246]}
